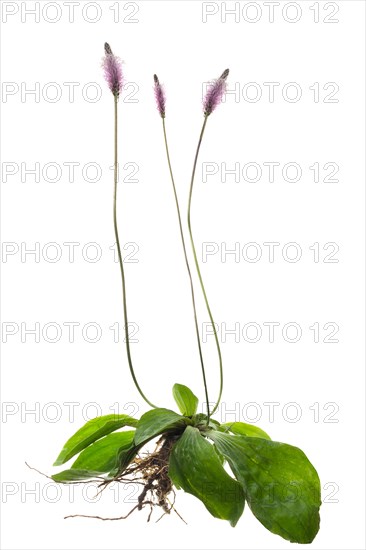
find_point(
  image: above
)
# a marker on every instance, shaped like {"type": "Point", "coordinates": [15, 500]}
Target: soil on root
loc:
{"type": "Point", "coordinates": [151, 472]}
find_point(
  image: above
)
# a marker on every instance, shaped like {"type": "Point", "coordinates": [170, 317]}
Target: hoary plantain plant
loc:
{"type": "Point", "coordinates": [223, 465]}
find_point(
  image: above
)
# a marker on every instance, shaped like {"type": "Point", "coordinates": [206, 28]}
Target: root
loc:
{"type": "Point", "coordinates": [38, 471]}
{"type": "Point", "coordinates": [106, 519]}
{"type": "Point", "coordinates": [150, 471]}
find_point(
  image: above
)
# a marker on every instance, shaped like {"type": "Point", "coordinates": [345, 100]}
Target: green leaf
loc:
{"type": "Point", "coordinates": [196, 468]}
{"type": "Point", "coordinates": [185, 399]}
{"type": "Point", "coordinates": [91, 431]}
{"type": "Point", "coordinates": [105, 454]}
{"type": "Point", "coordinates": [69, 476]}
{"type": "Point", "coordinates": [156, 422]}
{"type": "Point", "coordinates": [281, 486]}
{"type": "Point", "coordinates": [241, 428]}
{"type": "Point", "coordinates": [200, 420]}
{"type": "Point", "coordinates": [125, 456]}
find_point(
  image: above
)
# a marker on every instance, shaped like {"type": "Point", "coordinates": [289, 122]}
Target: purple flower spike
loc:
{"type": "Point", "coordinates": [214, 93]}
{"type": "Point", "coordinates": [159, 96]}
{"type": "Point", "coordinates": [112, 70]}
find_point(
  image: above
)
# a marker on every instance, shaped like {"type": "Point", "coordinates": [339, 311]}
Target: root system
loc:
{"type": "Point", "coordinates": [151, 472]}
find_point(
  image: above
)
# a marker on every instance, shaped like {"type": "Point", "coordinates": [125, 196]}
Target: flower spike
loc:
{"type": "Point", "coordinates": [112, 66]}
{"type": "Point", "coordinates": [214, 93]}
{"type": "Point", "coordinates": [159, 96]}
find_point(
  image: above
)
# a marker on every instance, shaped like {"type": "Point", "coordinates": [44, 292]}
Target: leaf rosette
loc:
{"type": "Point", "coordinates": [222, 465]}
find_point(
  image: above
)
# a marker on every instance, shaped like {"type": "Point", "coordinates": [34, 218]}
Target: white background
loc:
{"type": "Point", "coordinates": [316, 388]}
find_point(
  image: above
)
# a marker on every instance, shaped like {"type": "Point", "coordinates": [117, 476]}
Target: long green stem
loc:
{"type": "Point", "coordinates": [127, 338]}
{"type": "Point", "coordinates": [188, 270]}
{"type": "Point", "coordinates": [197, 264]}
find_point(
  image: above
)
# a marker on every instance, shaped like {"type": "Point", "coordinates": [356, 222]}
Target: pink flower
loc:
{"type": "Point", "coordinates": [159, 96]}
{"type": "Point", "coordinates": [112, 66]}
{"type": "Point", "coordinates": [214, 93]}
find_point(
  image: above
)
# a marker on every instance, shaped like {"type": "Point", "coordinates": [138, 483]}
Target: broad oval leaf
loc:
{"type": "Point", "coordinates": [196, 468]}
{"type": "Point", "coordinates": [156, 422]}
{"type": "Point", "coordinates": [185, 399]}
{"type": "Point", "coordinates": [105, 454]}
{"type": "Point", "coordinates": [241, 428]}
{"type": "Point", "coordinates": [73, 475]}
{"type": "Point", "coordinates": [281, 486]}
{"type": "Point", "coordinates": [94, 429]}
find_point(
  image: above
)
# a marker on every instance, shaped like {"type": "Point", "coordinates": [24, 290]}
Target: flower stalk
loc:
{"type": "Point", "coordinates": [212, 99]}
{"type": "Point", "coordinates": [113, 75]}
{"type": "Point", "coordinates": [160, 101]}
